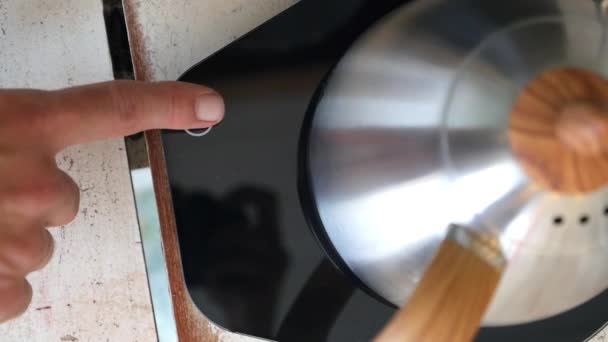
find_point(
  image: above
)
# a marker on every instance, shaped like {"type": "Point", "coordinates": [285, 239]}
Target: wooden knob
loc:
{"type": "Point", "coordinates": [583, 128]}
{"type": "Point", "coordinates": [453, 294]}
{"type": "Point", "coordinates": [558, 130]}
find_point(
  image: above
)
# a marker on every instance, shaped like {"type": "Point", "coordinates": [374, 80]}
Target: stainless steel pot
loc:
{"type": "Point", "coordinates": [409, 135]}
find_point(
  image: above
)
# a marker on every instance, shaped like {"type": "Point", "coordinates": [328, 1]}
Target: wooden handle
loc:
{"type": "Point", "coordinates": [558, 130]}
{"type": "Point", "coordinates": [452, 296]}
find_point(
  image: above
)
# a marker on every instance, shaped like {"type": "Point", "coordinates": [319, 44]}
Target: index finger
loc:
{"type": "Point", "coordinates": [118, 108]}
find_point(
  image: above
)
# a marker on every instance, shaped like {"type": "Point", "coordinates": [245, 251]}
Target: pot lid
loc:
{"type": "Point", "coordinates": [438, 116]}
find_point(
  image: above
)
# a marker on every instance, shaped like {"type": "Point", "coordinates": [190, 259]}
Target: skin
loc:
{"type": "Point", "coordinates": [35, 125]}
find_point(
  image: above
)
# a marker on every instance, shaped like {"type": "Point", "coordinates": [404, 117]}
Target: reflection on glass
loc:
{"type": "Point", "coordinates": [155, 262]}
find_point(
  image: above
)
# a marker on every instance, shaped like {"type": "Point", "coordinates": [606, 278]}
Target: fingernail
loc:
{"type": "Point", "coordinates": [209, 107]}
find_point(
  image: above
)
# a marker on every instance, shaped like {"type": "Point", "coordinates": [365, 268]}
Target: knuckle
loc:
{"type": "Point", "coordinates": [174, 96]}
{"type": "Point", "coordinates": [47, 195]}
{"type": "Point", "coordinates": [173, 107]}
{"type": "Point", "coordinates": [22, 111]}
{"type": "Point", "coordinates": [27, 251]}
{"type": "Point", "coordinates": [70, 210]}
{"type": "Point", "coordinates": [38, 197]}
{"type": "Point", "coordinates": [40, 123]}
{"type": "Point", "coordinates": [125, 105]}
{"type": "Point", "coordinates": [65, 208]}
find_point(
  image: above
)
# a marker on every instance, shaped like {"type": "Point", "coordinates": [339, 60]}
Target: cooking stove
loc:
{"type": "Point", "coordinates": [250, 261]}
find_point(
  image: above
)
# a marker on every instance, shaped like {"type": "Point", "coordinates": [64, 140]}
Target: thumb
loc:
{"type": "Point", "coordinates": [118, 108]}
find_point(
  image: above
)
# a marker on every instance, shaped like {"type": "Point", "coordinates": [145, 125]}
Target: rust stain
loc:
{"type": "Point", "coordinates": [190, 323]}
{"type": "Point", "coordinates": [141, 61]}
{"type": "Point", "coordinates": [185, 329]}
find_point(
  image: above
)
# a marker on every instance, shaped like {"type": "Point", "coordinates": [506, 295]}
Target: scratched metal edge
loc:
{"type": "Point", "coordinates": [598, 333]}
{"type": "Point", "coordinates": [190, 323]}
{"type": "Point", "coordinates": [141, 63]}
{"type": "Point", "coordinates": [119, 49]}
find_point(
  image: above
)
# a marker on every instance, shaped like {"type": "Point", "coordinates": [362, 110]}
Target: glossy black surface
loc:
{"type": "Point", "coordinates": [247, 250]}
{"type": "Point", "coordinates": [250, 262]}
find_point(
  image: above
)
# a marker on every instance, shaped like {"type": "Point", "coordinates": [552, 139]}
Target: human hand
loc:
{"type": "Point", "coordinates": [35, 125]}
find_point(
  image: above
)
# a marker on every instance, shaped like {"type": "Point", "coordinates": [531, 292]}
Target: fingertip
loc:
{"type": "Point", "coordinates": [15, 297]}
{"type": "Point", "coordinates": [193, 105]}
